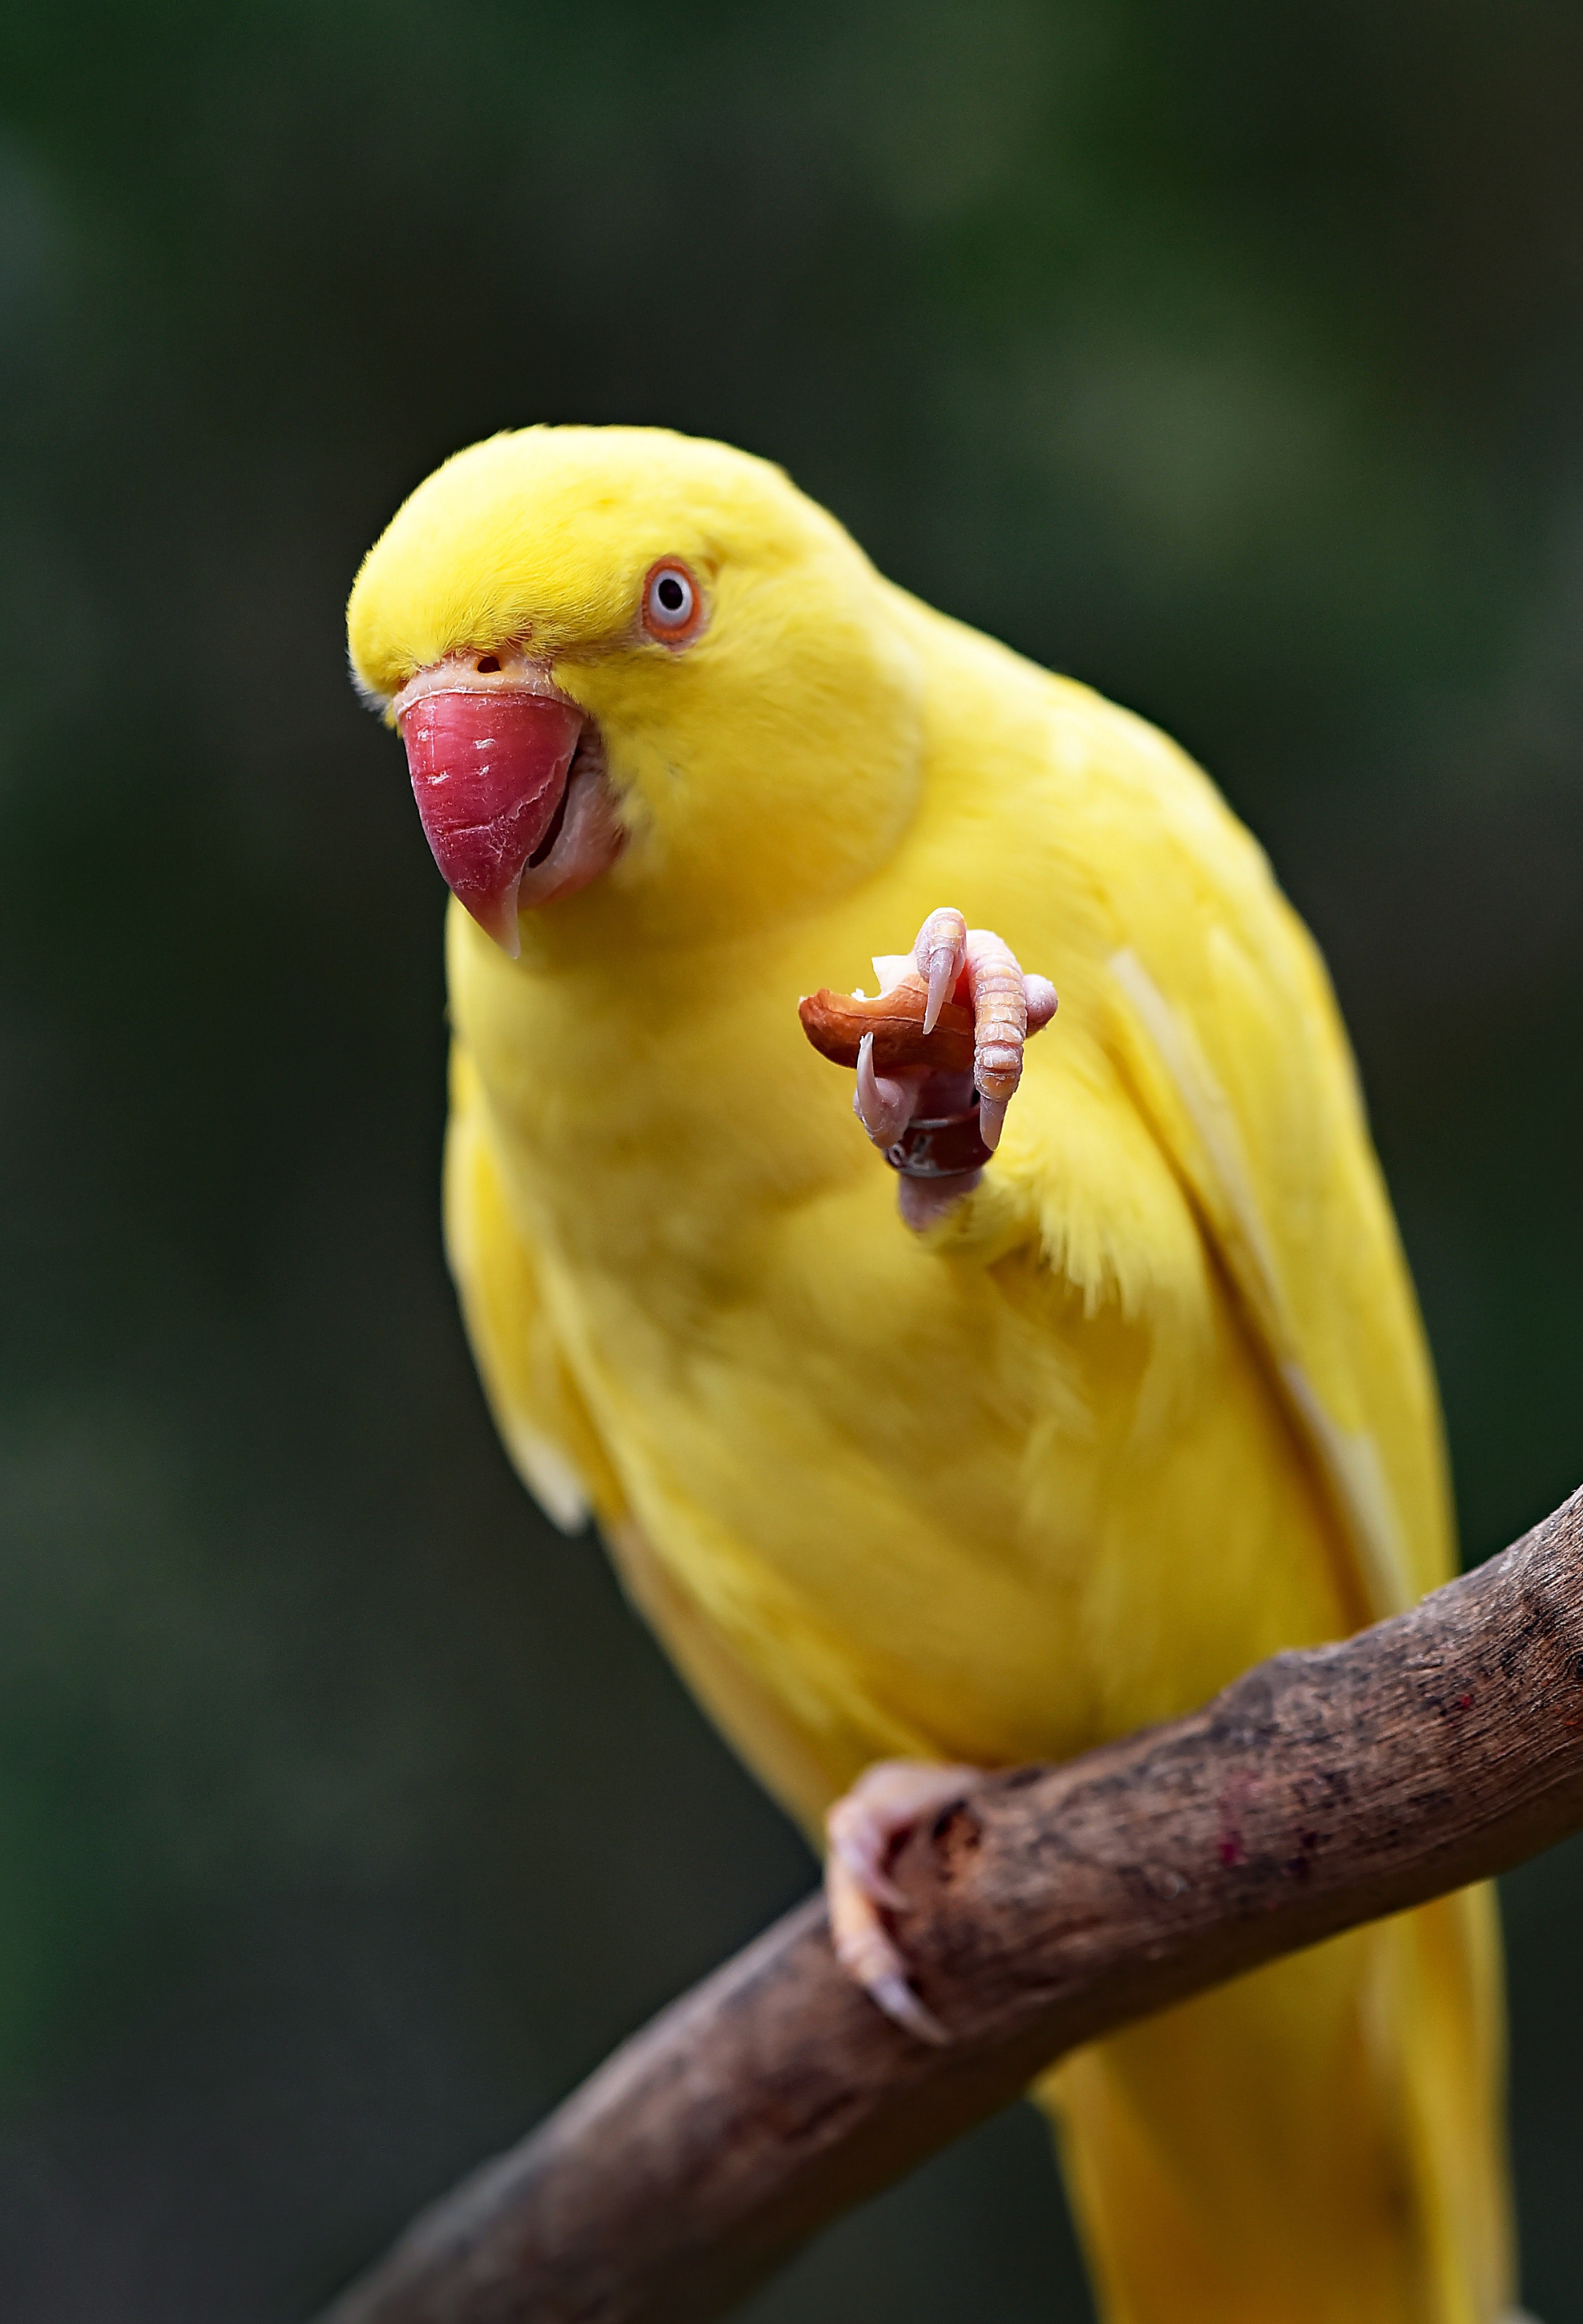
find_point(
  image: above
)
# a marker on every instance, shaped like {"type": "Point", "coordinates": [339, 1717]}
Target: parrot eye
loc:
{"type": "Point", "coordinates": [672, 606]}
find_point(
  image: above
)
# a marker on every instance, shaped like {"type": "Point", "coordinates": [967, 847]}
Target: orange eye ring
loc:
{"type": "Point", "coordinates": [673, 603]}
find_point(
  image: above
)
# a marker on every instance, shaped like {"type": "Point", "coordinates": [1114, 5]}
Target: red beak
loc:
{"type": "Point", "coordinates": [489, 771]}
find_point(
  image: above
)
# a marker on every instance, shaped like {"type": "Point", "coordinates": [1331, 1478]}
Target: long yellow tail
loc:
{"type": "Point", "coordinates": [1320, 2142]}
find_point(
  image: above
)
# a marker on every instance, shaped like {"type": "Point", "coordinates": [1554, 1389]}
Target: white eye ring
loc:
{"type": "Point", "coordinates": [671, 601]}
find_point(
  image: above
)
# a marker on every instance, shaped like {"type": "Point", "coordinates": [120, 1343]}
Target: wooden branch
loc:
{"type": "Point", "coordinates": [1054, 1905]}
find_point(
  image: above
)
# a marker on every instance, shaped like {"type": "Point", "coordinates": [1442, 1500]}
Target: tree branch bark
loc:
{"type": "Point", "coordinates": [1054, 1905]}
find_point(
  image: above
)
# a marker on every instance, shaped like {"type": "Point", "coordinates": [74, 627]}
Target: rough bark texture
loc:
{"type": "Point", "coordinates": [1054, 1904]}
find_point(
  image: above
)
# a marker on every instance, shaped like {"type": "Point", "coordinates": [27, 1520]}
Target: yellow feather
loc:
{"type": "Point", "coordinates": [1150, 1405]}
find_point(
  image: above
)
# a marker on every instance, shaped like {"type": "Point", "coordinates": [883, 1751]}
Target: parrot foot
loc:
{"type": "Point", "coordinates": [865, 1828]}
{"type": "Point", "coordinates": [926, 1115]}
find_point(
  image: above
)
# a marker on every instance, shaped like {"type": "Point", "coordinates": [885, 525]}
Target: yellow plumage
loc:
{"type": "Point", "coordinates": [1150, 1404]}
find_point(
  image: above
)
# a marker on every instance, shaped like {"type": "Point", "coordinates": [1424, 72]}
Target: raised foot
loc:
{"type": "Point", "coordinates": [975, 969]}
{"type": "Point", "coordinates": [865, 1828]}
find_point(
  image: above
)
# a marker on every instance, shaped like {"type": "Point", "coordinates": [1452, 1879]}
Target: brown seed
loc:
{"type": "Point", "coordinates": [834, 1022]}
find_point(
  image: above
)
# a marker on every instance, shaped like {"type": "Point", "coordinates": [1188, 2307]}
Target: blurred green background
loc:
{"type": "Point", "coordinates": [1229, 357]}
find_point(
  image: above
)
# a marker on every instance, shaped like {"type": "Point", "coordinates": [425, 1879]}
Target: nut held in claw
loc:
{"type": "Point", "coordinates": [835, 1023]}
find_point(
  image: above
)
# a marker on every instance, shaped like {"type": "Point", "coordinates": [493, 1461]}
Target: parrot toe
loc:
{"type": "Point", "coordinates": [865, 1828]}
{"type": "Point", "coordinates": [976, 967]}
{"type": "Point", "coordinates": [997, 995]}
{"type": "Point", "coordinates": [940, 954]}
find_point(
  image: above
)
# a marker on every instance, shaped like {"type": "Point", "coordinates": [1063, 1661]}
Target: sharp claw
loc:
{"type": "Point", "coordinates": [893, 1994]}
{"type": "Point", "coordinates": [943, 970]}
{"type": "Point", "coordinates": [866, 1098]}
{"type": "Point", "coordinates": [991, 1119]}
{"type": "Point", "coordinates": [939, 950]}
{"type": "Point", "coordinates": [884, 1107]}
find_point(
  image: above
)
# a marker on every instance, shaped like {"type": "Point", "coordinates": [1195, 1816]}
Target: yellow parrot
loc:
{"type": "Point", "coordinates": [1127, 1391]}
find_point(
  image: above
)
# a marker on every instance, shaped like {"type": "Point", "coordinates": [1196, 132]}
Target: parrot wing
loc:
{"type": "Point", "coordinates": [1225, 1024]}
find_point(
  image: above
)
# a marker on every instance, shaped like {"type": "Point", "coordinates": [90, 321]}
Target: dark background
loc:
{"type": "Point", "coordinates": [1228, 356]}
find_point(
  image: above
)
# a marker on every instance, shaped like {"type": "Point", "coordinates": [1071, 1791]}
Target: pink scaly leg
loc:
{"type": "Point", "coordinates": [865, 1828]}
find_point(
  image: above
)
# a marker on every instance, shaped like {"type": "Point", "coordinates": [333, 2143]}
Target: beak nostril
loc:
{"type": "Point", "coordinates": [487, 661]}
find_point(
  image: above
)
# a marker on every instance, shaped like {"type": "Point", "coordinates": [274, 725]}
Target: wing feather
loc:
{"type": "Point", "coordinates": [1226, 1026]}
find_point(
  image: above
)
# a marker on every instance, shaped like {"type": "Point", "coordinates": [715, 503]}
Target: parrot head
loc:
{"type": "Point", "coordinates": [620, 656]}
